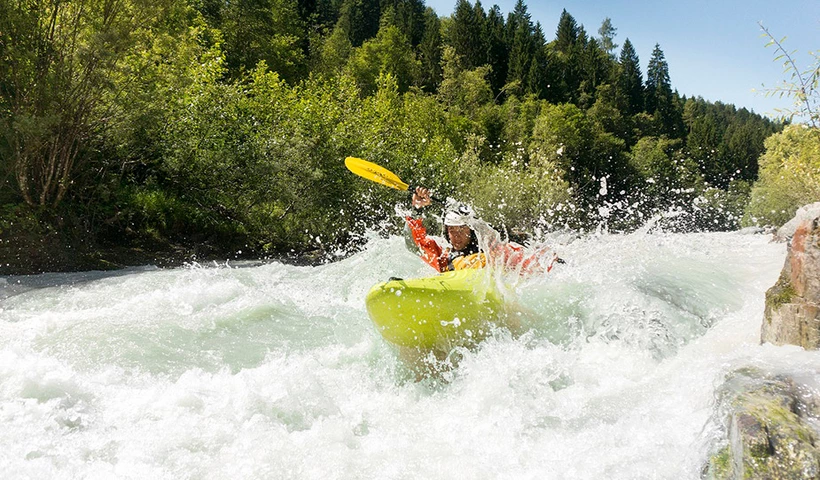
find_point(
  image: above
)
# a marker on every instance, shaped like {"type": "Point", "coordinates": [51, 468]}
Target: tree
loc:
{"type": "Point", "coordinates": [595, 67]}
{"type": "Point", "coordinates": [570, 41]}
{"type": "Point", "coordinates": [497, 51]}
{"type": "Point", "coordinates": [537, 81]}
{"type": "Point", "coordinates": [630, 79]}
{"type": "Point", "coordinates": [566, 34]}
{"type": "Point", "coordinates": [660, 100]}
{"type": "Point", "coordinates": [388, 53]}
{"type": "Point", "coordinates": [269, 30]}
{"type": "Point", "coordinates": [409, 17]}
{"type": "Point", "coordinates": [789, 176]}
{"type": "Point", "coordinates": [462, 88]}
{"type": "Point", "coordinates": [522, 44]}
{"type": "Point", "coordinates": [335, 52]}
{"type": "Point", "coordinates": [465, 34]}
{"type": "Point", "coordinates": [430, 50]}
{"type": "Point", "coordinates": [56, 59]}
{"type": "Point", "coordinates": [607, 33]}
{"type": "Point", "coordinates": [804, 86]}
{"type": "Point", "coordinates": [360, 19]}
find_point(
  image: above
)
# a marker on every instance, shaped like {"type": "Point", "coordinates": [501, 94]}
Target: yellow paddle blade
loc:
{"type": "Point", "coordinates": [375, 173]}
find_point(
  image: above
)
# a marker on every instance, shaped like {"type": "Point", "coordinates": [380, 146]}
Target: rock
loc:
{"type": "Point", "coordinates": [792, 313]}
{"type": "Point", "coordinates": [804, 213]}
{"type": "Point", "coordinates": [769, 434]}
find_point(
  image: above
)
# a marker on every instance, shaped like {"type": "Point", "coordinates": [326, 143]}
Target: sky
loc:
{"type": "Point", "coordinates": [714, 48]}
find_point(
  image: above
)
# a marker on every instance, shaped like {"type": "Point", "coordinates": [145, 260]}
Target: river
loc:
{"type": "Point", "coordinates": [274, 371]}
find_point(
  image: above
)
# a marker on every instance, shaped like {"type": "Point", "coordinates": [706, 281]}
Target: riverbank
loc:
{"type": "Point", "coordinates": [23, 252]}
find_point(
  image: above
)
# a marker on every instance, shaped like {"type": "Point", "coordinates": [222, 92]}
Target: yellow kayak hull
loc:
{"type": "Point", "coordinates": [447, 310]}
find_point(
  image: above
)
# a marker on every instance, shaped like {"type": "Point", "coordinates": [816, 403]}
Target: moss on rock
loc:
{"type": "Point", "coordinates": [767, 437]}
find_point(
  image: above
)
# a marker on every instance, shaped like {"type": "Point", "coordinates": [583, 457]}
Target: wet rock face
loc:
{"type": "Point", "coordinates": [792, 314]}
{"type": "Point", "coordinates": [771, 425]}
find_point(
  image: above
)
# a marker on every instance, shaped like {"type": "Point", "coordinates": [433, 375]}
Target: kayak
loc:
{"type": "Point", "coordinates": [451, 309]}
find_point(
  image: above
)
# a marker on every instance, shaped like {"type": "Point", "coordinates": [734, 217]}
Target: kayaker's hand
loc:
{"type": "Point", "coordinates": [421, 197]}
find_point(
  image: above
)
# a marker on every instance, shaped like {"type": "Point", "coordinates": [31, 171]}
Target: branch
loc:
{"type": "Point", "coordinates": [805, 85]}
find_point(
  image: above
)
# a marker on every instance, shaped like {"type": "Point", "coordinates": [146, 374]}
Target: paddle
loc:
{"type": "Point", "coordinates": [379, 174]}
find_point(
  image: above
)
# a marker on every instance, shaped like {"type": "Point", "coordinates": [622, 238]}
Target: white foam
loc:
{"type": "Point", "coordinates": [275, 371]}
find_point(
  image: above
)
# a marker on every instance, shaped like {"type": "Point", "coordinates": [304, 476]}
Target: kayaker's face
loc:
{"type": "Point", "coordinates": [459, 236]}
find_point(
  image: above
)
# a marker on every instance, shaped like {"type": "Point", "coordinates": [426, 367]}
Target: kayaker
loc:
{"type": "Point", "coordinates": [462, 227]}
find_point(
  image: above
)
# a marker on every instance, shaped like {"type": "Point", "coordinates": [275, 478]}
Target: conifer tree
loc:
{"type": "Point", "coordinates": [465, 34]}
{"type": "Point", "coordinates": [660, 100]}
{"type": "Point", "coordinates": [430, 51]}
{"type": "Point", "coordinates": [630, 80]}
{"type": "Point", "coordinates": [595, 66]}
{"type": "Point", "coordinates": [536, 77]}
{"type": "Point", "coordinates": [567, 33]}
{"type": "Point", "coordinates": [268, 30]}
{"type": "Point", "coordinates": [497, 50]}
{"type": "Point", "coordinates": [409, 17]}
{"type": "Point", "coordinates": [568, 45]}
{"type": "Point", "coordinates": [521, 42]}
{"type": "Point", "coordinates": [360, 19]}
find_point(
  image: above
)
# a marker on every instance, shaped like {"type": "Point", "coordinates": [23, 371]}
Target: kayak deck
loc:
{"type": "Point", "coordinates": [450, 309]}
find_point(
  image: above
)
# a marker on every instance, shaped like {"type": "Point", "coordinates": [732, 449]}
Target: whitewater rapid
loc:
{"type": "Point", "coordinates": [273, 371]}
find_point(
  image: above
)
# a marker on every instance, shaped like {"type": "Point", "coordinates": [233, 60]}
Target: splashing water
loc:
{"type": "Point", "coordinates": [274, 371]}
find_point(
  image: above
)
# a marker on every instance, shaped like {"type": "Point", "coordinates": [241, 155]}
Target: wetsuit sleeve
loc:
{"type": "Point", "coordinates": [431, 252]}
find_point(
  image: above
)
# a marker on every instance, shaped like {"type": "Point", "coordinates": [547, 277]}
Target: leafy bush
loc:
{"type": "Point", "coordinates": [789, 176]}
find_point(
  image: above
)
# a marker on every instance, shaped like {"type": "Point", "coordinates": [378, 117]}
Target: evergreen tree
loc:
{"type": "Point", "coordinates": [430, 51]}
{"type": "Point", "coordinates": [465, 33]}
{"type": "Point", "coordinates": [568, 47]}
{"type": "Point", "coordinates": [522, 44]}
{"type": "Point", "coordinates": [360, 19]}
{"type": "Point", "coordinates": [630, 80]}
{"type": "Point", "coordinates": [536, 77]}
{"type": "Point", "coordinates": [607, 33]}
{"type": "Point", "coordinates": [660, 101]}
{"type": "Point", "coordinates": [409, 17]}
{"type": "Point", "coordinates": [268, 30]}
{"type": "Point", "coordinates": [497, 51]}
{"type": "Point", "coordinates": [567, 33]}
{"type": "Point", "coordinates": [595, 66]}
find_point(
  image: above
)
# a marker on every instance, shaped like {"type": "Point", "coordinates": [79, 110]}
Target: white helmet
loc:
{"type": "Point", "coordinates": [458, 215]}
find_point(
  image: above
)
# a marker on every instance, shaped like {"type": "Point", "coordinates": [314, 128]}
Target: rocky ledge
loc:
{"type": "Point", "coordinates": [772, 422]}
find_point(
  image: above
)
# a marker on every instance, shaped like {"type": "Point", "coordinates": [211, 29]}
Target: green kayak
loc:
{"type": "Point", "coordinates": [447, 310]}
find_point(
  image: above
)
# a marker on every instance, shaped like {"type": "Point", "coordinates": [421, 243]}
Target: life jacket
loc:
{"type": "Point", "coordinates": [464, 262]}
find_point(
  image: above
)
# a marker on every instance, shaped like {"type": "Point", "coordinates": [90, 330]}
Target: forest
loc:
{"type": "Point", "coordinates": [220, 128]}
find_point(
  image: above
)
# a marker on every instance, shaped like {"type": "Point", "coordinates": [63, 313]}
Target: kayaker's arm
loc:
{"type": "Point", "coordinates": [431, 251]}
{"type": "Point", "coordinates": [416, 232]}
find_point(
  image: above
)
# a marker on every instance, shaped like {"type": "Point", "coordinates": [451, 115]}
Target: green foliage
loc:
{"type": "Point", "coordinates": [227, 122]}
{"type": "Point", "coordinates": [465, 34]}
{"type": "Point", "coordinates": [388, 53]}
{"type": "Point", "coordinates": [463, 89]}
{"type": "Point", "coordinates": [630, 83]}
{"type": "Point", "coordinates": [56, 62]}
{"type": "Point", "coordinates": [789, 176]}
{"type": "Point", "coordinates": [360, 19]}
{"type": "Point", "coordinates": [660, 101]}
{"type": "Point", "coordinates": [430, 52]}
{"type": "Point", "coordinates": [607, 32]}
{"type": "Point", "coordinates": [263, 30]}
{"type": "Point", "coordinates": [334, 53]}
{"type": "Point", "coordinates": [512, 194]}
{"type": "Point", "coordinates": [563, 134]}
